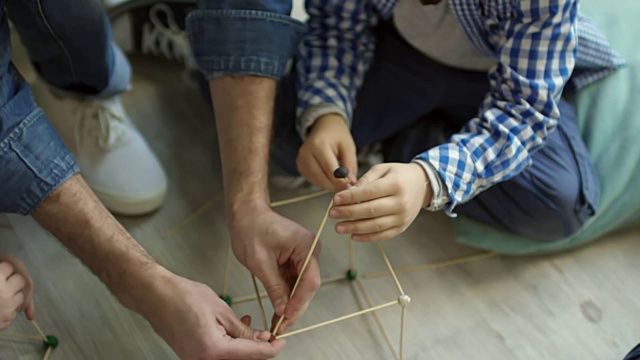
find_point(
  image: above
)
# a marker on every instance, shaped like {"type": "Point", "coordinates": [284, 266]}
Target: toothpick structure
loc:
{"type": "Point", "coordinates": [50, 341]}
{"type": "Point", "coordinates": [351, 275]}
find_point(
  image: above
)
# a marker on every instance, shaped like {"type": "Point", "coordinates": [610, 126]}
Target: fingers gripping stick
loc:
{"type": "Point", "coordinates": [341, 172]}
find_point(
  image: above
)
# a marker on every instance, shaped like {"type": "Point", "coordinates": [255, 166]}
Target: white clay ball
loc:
{"type": "Point", "coordinates": [404, 300]}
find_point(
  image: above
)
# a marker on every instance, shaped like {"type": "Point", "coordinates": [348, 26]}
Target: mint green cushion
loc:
{"type": "Point", "coordinates": [609, 116]}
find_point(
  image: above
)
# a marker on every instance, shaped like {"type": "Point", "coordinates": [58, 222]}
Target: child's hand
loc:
{"type": "Point", "coordinates": [383, 203]}
{"type": "Point", "coordinates": [16, 291]}
{"type": "Point", "coordinates": [328, 146]}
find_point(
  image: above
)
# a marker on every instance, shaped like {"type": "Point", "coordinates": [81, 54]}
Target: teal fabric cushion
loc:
{"type": "Point", "coordinates": [609, 116]}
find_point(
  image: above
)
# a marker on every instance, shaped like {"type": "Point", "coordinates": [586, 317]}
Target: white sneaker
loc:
{"type": "Point", "coordinates": [113, 156]}
{"type": "Point", "coordinates": [152, 29]}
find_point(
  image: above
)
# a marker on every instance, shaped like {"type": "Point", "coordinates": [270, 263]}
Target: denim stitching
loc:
{"type": "Point", "coordinates": [33, 200]}
{"type": "Point", "coordinates": [249, 14]}
{"type": "Point", "coordinates": [5, 144]}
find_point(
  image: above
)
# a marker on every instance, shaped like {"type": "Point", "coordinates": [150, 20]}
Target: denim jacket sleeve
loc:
{"type": "Point", "coordinates": [33, 159]}
{"type": "Point", "coordinates": [243, 37]}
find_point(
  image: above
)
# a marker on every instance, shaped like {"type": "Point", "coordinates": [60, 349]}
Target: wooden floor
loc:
{"type": "Point", "coordinates": [582, 304]}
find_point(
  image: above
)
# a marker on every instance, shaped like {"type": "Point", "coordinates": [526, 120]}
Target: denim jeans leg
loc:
{"type": "Point", "coordinates": [243, 37]}
{"type": "Point", "coordinates": [70, 44]}
{"type": "Point", "coordinates": [33, 159]}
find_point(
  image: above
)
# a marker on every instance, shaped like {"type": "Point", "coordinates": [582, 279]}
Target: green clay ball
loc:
{"type": "Point", "coordinates": [51, 342]}
{"type": "Point", "coordinates": [352, 275]}
{"type": "Point", "coordinates": [227, 298]}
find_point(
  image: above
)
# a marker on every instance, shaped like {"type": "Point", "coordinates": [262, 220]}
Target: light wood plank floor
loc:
{"type": "Point", "coordinates": [581, 304]}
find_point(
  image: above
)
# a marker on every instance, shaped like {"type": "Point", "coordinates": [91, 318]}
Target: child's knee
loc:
{"type": "Point", "coordinates": [559, 213]}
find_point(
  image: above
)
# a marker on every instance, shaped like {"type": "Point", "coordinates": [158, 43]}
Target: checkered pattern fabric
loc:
{"type": "Point", "coordinates": [540, 47]}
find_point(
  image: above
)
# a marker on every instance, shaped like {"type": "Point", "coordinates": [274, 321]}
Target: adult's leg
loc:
{"type": "Point", "coordinates": [71, 47]}
{"type": "Point", "coordinates": [33, 159]}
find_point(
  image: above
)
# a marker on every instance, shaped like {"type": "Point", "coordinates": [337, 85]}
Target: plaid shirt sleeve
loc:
{"type": "Point", "coordinates": [536, 57]}
{"type": "Point", "coordinates": [333, 57]}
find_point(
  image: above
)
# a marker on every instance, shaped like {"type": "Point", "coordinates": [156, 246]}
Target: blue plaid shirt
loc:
{"type": "Point", "coordinates": [540, 47]}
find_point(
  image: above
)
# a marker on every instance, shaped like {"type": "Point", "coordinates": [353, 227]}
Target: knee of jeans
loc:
{"type": "Point", "coordinates": [559, 213]}
{"type": "Point", "coordinates": [82, 14]}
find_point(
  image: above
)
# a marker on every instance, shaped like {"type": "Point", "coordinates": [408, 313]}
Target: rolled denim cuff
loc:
{"type": "Point", "coordinates": [235, 42]}
{"type": "Point", "coordinates": [33, 159]}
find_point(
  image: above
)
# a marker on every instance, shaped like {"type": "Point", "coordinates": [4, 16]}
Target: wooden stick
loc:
{"type": "Point", "coordinates": [227, 264]}
{"type": "Point", "coordinates": [44, 337]}
{"type": "Point", "coordinates": [462, 260]}
{"type": "Point", "coordinates": [299, 198]}
{"type": "Point", "coordinates": [194, 215]}
{"type": "Point", "coordinates": [47, 353]}
{"type": "Point", "coordinates": [334, 279]}
{"type": "Point", "coordinates": [306, 262]}
{"type": "Point", "coordinates": [402, 332]}
{"type": "Point", "coordinates": [264, 317]}
{"type": "Point", "coordinates": [248, 298]}
{"type": "Point", "coordinates": [393, 273]}
{"type": "Point", "coordinates": [385, 335]}
{"type": "Point", "coordinates": [20, 336]}
{"type": "Point", "coordinates": [352, 261]}
{"type": "Point", "coordinates": [264, 295]}
{"type": "Point", "coordinates": [395, 302]}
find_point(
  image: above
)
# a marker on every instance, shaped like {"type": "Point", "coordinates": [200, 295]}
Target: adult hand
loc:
{"type": "Point", "coordinates": [197, 325]}
{"type": "Point", "coordinates": [274, 249]}
{"type": "Point", "coordinates": [189, 316]}
{"type": "Point", "coordinates": [16, 291]}
{"type": "Point", "coordinates": [383, 203]}
{"type": "Point", "coordinates": [328, 146]}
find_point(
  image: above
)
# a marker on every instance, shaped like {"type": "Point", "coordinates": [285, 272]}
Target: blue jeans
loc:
{"type": "Point", "coordinates": [411, 103]}
{"type": "Point", "coordinates": [634, 354]}
{"type": "Point", "coordinates": [69, 43]}
{"type": "Point", "coordinates": [243, 37]}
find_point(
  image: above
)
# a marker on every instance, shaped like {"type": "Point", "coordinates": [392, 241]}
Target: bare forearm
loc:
{"type": "Point", "coordinates": [244, 116]}
{"type": "Point", "coordinates": [77, 219]}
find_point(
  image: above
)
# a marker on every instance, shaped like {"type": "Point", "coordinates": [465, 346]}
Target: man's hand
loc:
{"type": "Point", "coordinates": [328, 146]}
{"type": "Point", "coordinates": [274, 248]}
{"type": "Point", "coordinates": [383, 203]}
{"type": "Point", "coordinates": [16, 291]}
{"type": "Point", "coordinates": [193, 320]}
{"type": "Point", "coordinates": [188, 315]}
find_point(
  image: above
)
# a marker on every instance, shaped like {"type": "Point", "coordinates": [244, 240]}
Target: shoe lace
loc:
{"type": "Point", "coordinates": [168, 40]}
{"type": "Point", "coordinates": [109, 118]}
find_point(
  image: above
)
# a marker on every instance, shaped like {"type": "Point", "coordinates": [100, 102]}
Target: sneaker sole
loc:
{"type": "Point", "coordinates": [132, 206]}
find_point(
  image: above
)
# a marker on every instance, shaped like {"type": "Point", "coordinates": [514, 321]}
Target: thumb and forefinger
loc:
{"type": "Point", "coordinates": [275, 285]}
{"type": "Point", "coordinates": [247, 343]}
{"type": "Point", "coordinates": [348, 158]}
